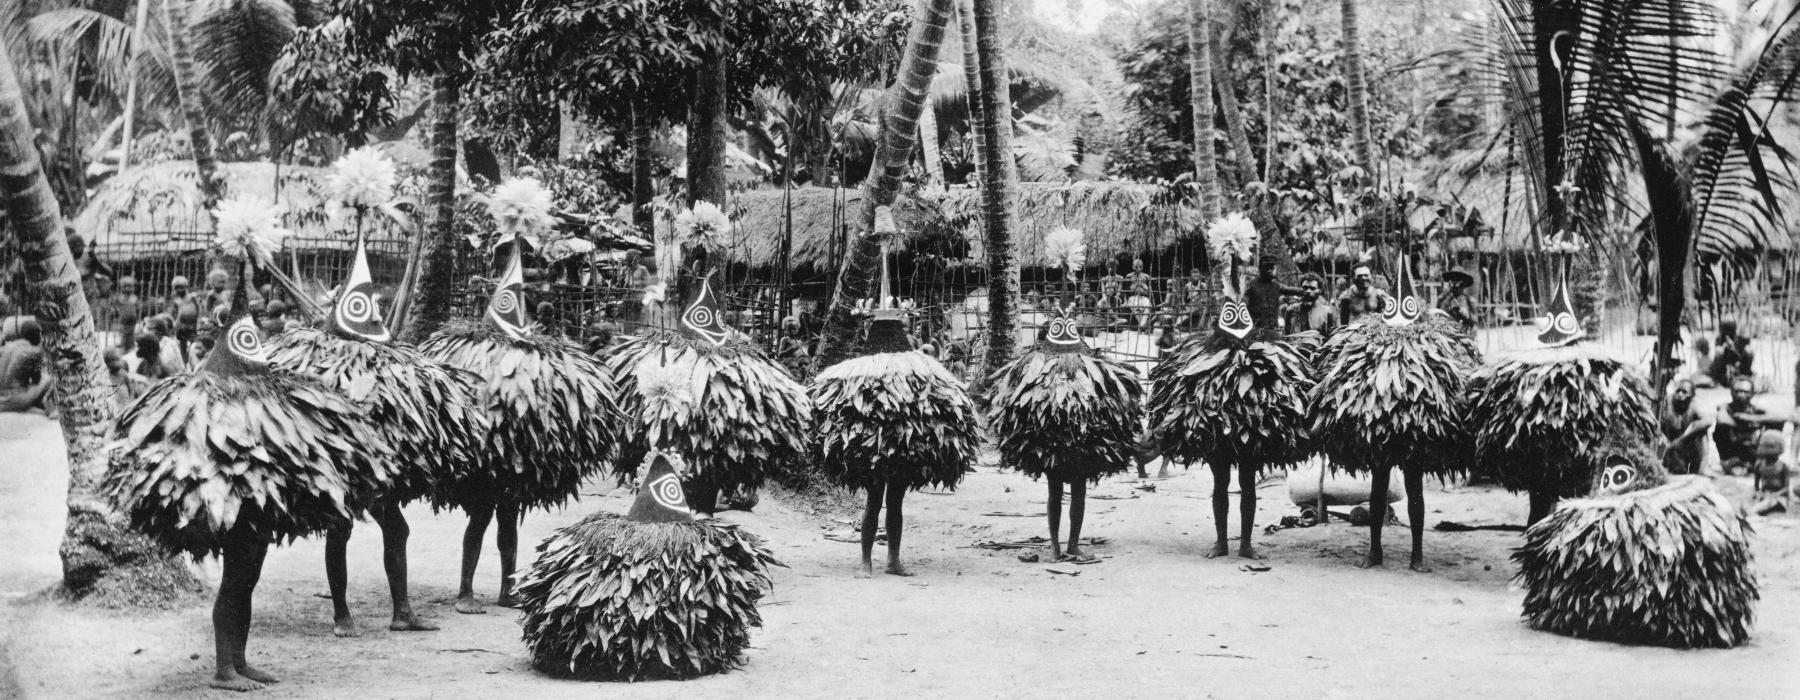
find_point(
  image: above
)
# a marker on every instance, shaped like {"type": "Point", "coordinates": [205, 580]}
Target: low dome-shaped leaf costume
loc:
{"type": "Point", "coordinates": [1065, 412]}
{"type": "Point", "coordinates": [550, 406]}
{"type": "Point", "coordinates": [1650, 559]}
{"type": "Point", "coordinates": [1236, 400]}
{"type": "Point", "coordinates": [654, 594]}
{"type": "Point", "coordinates": [1538, 414]}
{"type": "Point", "coordinates": [237, 445]}
{"type": "Point", "coordinates": [748, 420]}
{"type": "Point", "coordinates": [894, 416]}
{"type": "Point", "coordinates": [425, 408]}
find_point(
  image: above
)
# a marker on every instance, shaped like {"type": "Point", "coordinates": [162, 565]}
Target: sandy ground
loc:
{"type": "Point", "coordinates": [1153, 618]}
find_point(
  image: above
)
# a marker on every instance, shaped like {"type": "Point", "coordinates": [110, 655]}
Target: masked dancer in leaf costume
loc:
{"type": "Point", "coordinates": [425, 407]}
{"type": "Point", "coordinates": [892, 421]}
{"type": "Point", "coordinates": [655, 594]}
{"type": "Point", "coordinates": [1649, 559]}
{"type": "Point", "coordinates": [752, 417]}
{"type": "Point", "coordinates": [551, 417]}
{"type": "Point", "coordinates": [233, 457]}
{"type": "Point", "coordinates": [1236, 397]}
{"type": "Point", "coordinates": [1537, 414]}
{"type": "Point", "coordinates": [1066, 413]}
{"type": "Point", "coordinates": [1391, 396]}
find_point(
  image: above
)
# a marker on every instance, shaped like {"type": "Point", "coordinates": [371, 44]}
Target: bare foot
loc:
{"type": "Point", "coordinates": [410, 622]}
{"type": "Point", "coordinates": [1373, 562]}
{"type": "Point", "coordinates": [344, 627]}
{"type": "Point", "coordinates": [230, 680]}
{"type": "Point", "coordinates": [1248, 552]}
{"type": "Point", "coordinates": [895, 569]}
{"type": "Point", "coordinates": [1418, 564]}
{"type": "Point", "coordinates": [867, 570]}
{"type": "Point", "coordinates": [255, 674]}
{"type": "Point", "coordinates": [1219, 549]}
{"type": "Point", "coordinates": [467, 606]}
{"type": "Point", "coordinates": [506, 600]}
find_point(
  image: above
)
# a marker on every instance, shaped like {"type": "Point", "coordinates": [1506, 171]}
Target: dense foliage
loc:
{"type": "Point", "coordinates": [1071, 416]}
{"type": "Point", "coordinates": [1222, 400]}
{"type": "Point", "coordinates": [894, 418]}
{"type": "Point", "coordinates": [1393, 396]}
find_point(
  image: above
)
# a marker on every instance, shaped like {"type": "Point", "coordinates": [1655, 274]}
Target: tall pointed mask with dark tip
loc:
{"type": "Point", "coordinates": [1562, 326]}
{"type": "Point", "coordinates": [239, 351]}
{"type": "Point", "coordinates": [1403, 306]}
{"type": "Point", "coordinates": [507, 309]}
{"type": "Point", "coordinates": [659, 497]}
{"type": "Point", "coordinates": [356, 315]}
{"type": "Point", "coordinates": [702, 319]}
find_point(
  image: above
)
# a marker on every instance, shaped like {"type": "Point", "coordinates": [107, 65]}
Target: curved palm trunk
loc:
{"type": "Point", "coordinates": [434, 248]}
{"type": "Point", "coordinates": [1200, 96]}
{"type": "Point", "coordinates": [1357, 85]}
{"type": "Point", "coordinates": [1243, 157]}
{"type": "Point", "coordinates": [965, 14]}
{"type": "Point", "coordinates": [193, 107]}
{"type": "Point", "coordinates": [905, 99]}
{"type": "Point", "coordinates": [95, 544]}
{"type": "Point", "coordinates": [999, 192]}
{"type": "Point", "coordinates": [643, 183]}
{"type": "Point", "coordinates": [928, 146]}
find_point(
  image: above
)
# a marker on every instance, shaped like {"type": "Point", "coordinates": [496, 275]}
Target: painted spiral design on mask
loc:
{"type": "Point", "coordinates": [666, 490]}
{"type": "Point", "coordinates": [1232, 314]}
{"type": "Point", "coordinates": [244, 341]}
{"type": "Point", "coordinates": [506, 301]}
{"type": "Point", "coordinates": [357, 306]}
{"type": "Point", "coordinates": [1409, 307]}
{"type": "Point", "coordinates": [1619, 476]}
{"type": "Point", "coordinates": [1389, 306]}
{"type": "Point", "coordinates": [699, 317]}
{"type": "Point", "coordinates": [1565, 323]}
{"type": "Point", "coordinates": [1064, 331]}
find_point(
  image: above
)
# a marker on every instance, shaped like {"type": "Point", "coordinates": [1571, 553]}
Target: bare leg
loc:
{"type": "Point", "coordinates": [394, 533]}
{"type": "Point", "coordinates": [1543, 500]}
{"type": "Point", "coordinates": [1053, 507]}
{"type": "Point", "coordinates": [1247, 507]}
{"type": "Point", "coordinates": [1377, 515]}
{"type": "Point", "coordinates": [1221, 503]}
{"type": "Point", "coordinates": [507, 539]}
{"type": "Point", "coordinates": [1077, 509]}
{"type": "Point", "coordinates": [243, 556]}
{"type": "Point", "coordinates": [337, 540]}
{"type": "Point", "coordinates": [895, 521]}
{"type": "Point", "coordinates": [871, 520]}
{"type": "Point", "coordinates": [1415, 511]}
{"type": "Point", "coordinates": [479, 516]}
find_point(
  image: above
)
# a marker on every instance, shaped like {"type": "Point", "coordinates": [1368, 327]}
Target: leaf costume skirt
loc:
{"type": "Point", "coordinates": [1669, 566]}
{"type": "Point", "coordinates": [1068, 416]}
{"type": "Point", "coordinates": [893, 418]}
{"type": "Point", "coordinates": [1392, 396]}
{"type": "Point", "coordinates": [274, 454]}
{"type": "Point", "coordinates": [552, 420]}
{"type": "Point", "coordinates": [613, 599]}
{"type": "Point", "coordinates": [749, 418]}
{"type": "Point", "coordinates": [1537, 415]}
{"type": "Point", "coordinates": [427, 409]}
{"type": "Point", "coordinates": [1223, 400]}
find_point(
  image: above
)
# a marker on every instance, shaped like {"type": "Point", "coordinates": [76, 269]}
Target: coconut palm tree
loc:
{"type": "Point", "coordinates": [193, 105]}
{"type": "Point", "coordinates": [1587, 88]}
{"type": "Point", "coordinates": [1200, 92]}
{"type": "Point", "coordinates": [1000, 189]}
{"type": "Point", "coordinates": [971, 65]}
{"type": "Point", "coordinates": [904, 100]}
{"type": "Point", "coordinates": [95, 544]}
{"type": "Point", "coordinates": [1356, 85]}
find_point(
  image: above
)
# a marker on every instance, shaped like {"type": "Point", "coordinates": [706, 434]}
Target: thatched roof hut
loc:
{"type": "Point", "coordinates": [1117, 218]}
{"type": "Point", "coordinates": [155, 211]}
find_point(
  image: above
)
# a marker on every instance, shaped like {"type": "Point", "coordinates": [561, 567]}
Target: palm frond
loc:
{"type": "Point", "coordinates": [236, 43]}
{"type": "Point", "coordinates": [1737, 193]}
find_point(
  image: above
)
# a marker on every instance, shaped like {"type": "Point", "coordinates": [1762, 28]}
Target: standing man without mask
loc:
{"type": "Point", "coordinates": [1363, 297]}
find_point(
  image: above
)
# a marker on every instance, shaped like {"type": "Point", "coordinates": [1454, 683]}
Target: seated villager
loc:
{"type": "Point", "coordinates": [1748, 437]}
{"type": "Point", "coordinates": [1732, 358]}
{"type": "Point", "coordinates": [1456, 301]}
{"type": "Point", "coordinates": [1684, 428]}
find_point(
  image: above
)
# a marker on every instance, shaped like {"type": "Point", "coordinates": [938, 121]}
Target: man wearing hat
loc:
{"type": "Point", "coordinates": [1456, 301]}
{"type": "Point", "coordinates": [1263, 295]}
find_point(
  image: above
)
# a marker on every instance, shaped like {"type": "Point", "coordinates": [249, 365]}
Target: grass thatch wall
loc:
{"type": "Point", "coordinates": [1118, 218]}
{"type": "Point", "coordinates": [155, 211]}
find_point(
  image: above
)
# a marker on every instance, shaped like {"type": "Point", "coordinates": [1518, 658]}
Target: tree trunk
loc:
{"type": "Point", "coordinates": [193, 107]}
{"type": "Point", "coordinates": [905, 99]}
{"type": "Point", "coordinates": [434, 248]}
{"type": "Point", "coordinates": [1200, 96]}
{"type": "Point", "coordinates": [706, 133]}
{"type": "Point", "coordinates": [965, 12]}
{"type": "Point", "coordinates": [1243, 157]}
{"type": "Point", "coordinates": [96, 547]}
{"type": "Point", "coordinates": [1000, 191]}
{"type": "Point", "coordinates": [928, 146]}
{"type": "Point", "coordinates": [131, 82]}
{"type": "Point", "coordinates": [643, 183]}
{"type": "Point", "coordinates": [1357, 90]}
